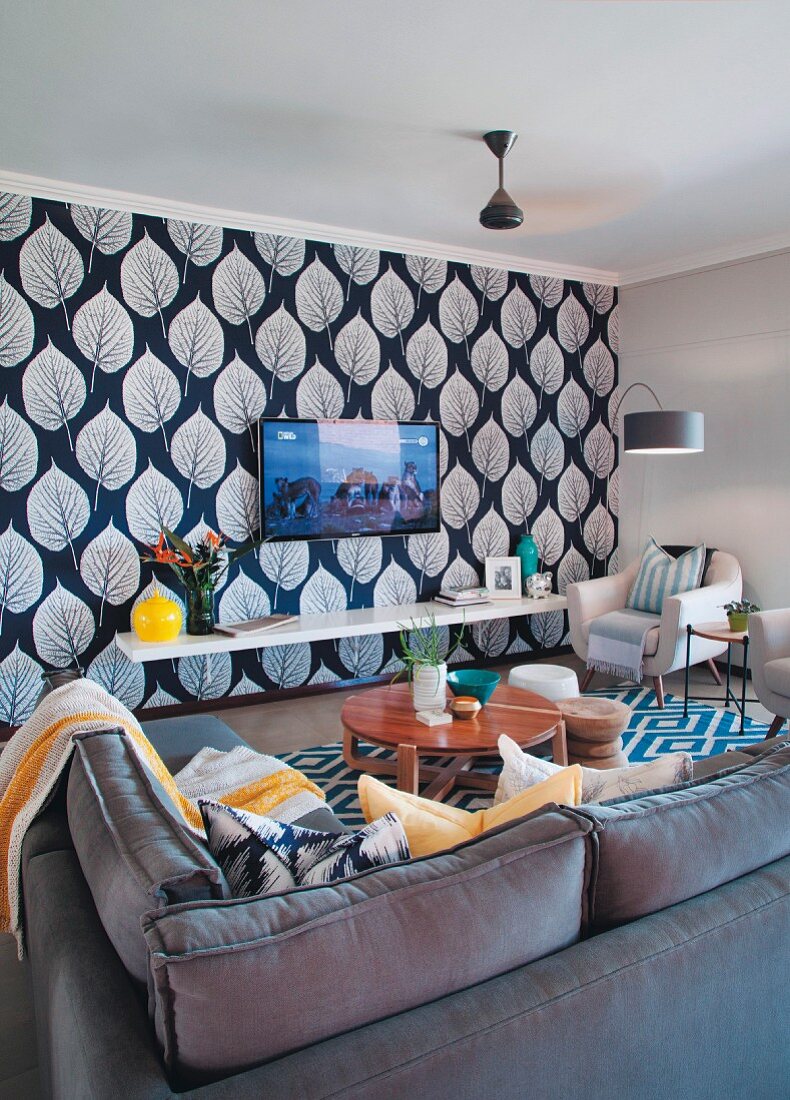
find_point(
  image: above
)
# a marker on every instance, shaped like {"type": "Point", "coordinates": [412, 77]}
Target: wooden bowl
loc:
{"type": "Point", "coordinates": [465, 706]}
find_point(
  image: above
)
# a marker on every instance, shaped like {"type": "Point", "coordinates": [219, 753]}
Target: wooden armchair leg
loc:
{"type": "Point", "coordinates": [714, 671]}
{"type": "Point", "coordinates": [587, 679]}
{"type": "Point", "coordinates": [775, 726]}
{"type": "Point", "coordinates": [658, 685]}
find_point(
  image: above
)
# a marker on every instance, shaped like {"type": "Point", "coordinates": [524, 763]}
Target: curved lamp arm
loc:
{"type": "Point", "coordinates": [644, 386]}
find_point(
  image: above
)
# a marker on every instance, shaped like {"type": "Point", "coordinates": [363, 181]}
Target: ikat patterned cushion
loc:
{"type": "Point", "coordinates": [262, 856]}
{"type": "Point", "coordinates": [660, 575]}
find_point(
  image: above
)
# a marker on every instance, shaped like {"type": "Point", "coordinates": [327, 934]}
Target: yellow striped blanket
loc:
{"type": "Point", "coordinates": [32, 761]}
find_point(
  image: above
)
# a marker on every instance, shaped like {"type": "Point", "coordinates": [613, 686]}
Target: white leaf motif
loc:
{"type": "Point", "coordinates": [391, 305]}
{"type": "Point", "coordinates": [490, 451]}
{"type": "Point", "coordinates": [599, 451]}
{"type": "Point", "coordinates": [319, 298]}
{"type": "Point", "coordinates": [243, 600]}
{"type": "Point", "coordinates": [237, 505]}
{"type": "Point", "coordinates": [245, 686]}
{"type": "Point", "coordinates": [599, 532]}
{"type": "Point", "coordinates": [360, 264]}
{"type": "Point", "coordinates": [152, 503]}
{"type": "Point", "coordinates": [357, 352]}
{"type": "Point", "coordinates": [490, 360]}
{"type": "Point", "coordinates": [392, 397]}
{"type": "Point", "coordinates": [426, 357]}
{"type": "Point", "coordinates": [106, 451]}
{"type": "Point", "coordinates": [613, 495]}
{"type": "Point", "coordinates": [151, 394]}
{"type": "Point", "coordinates": [199, 243]}
{"type": "Point", "coordinates": [458, 314]}
{"type": "Point", "coordinates": [549, 535]}
{"type": "Point", "coordinates": [319, 394]}
{"type": "Point", "coordinates": [519, 496]}
{"type": "Point", "coordinates": [490, 281]}
{"type": "Point", "coordinates": [613, 329]}
{"type": "Point", "coordinates": [53, 390]}
{"type": "Point", "coordinates": [613, 410]}
{"type": "Point", "coordinates": [149, 279]}
{"type": "Point", "coordinates": [198, 451]}
{"type": "Point", "coordinates": [519, 319]}
{"type": "Point", "coordinates": [63, 628]}
{"type": "Point", "coordinates": [325, 675]}
{"type": "Point", "coordinates": [547, 452]}
{"type": "Point", "coordinates": [460, 497]}
{"type": "Point", "coordinates": [360, 558]}
{"type": "Point", "coordinates": [285, 255]}
{"type": "Point", "coordinates": [599, 296]}
{"type": "Point", "coordinates": [361, 656]}
{"type": "Point", "coordinates": [21, 573]}
{"type": "Point", "coordinates": [285, 564]}
{"type": "Point", "coordinates": [50, 267]}
{"type": "Point", "coordinates": [547, 629]}
{"type": "Point", "coordinates": [239, 398]}
{"type": "Point", "coordinates": [107, 230]}
{"type": "Point", "coordinates": [573, 568]}
{"type": "Point", "coordinates": [104, 333]}
{"type": "Point", "coordinates": [573, 324]}
{"type": "Point", "coordinates": [160, 698]}
{"type": "Point", "coordinates": [237, 288]}
{"type": "Point", "coordinates": [491, 538]}
{"type": "Point", "coordinates": [394, 587]}
{"type": "Point", "coordinates": [57, 510]}
{"type": "Point", "coordinates": [195, 338]}
{"type": "Point", "coordinates": [207, 676]}
{"type": "Point", "coordinates": [519, 407]}
{"type": "Point", "coordinates": [573, 493]}
{"type": "Point", "coordinates": [18, 450]}
{"type": "Point", "coordinates": [280, 346]}
{"type": "Point", "coordinates": [547, 366]}
{"type": "Point", "coordinates": [121, 677]}
{"type": "Point", "coordinates": [547, 290]}
{"type": "Point", "coordinates": [20, 687]}
{"type": "Point", "coordinates": [460, 573]}
{"type": "Point", "coordinates": [287, 666]}
{"type": "Point", "coordinates": [573, 409]}
{"type": "Point", "coordinates": [458, 404]}
{"type": "Point", "coordinates": [428, 273]}
{"type": "Point", "coordinates": [322, 593]}
{"type": "Point", "coordinates": [15, 214]}
{"type": "Point", "coordinates": [17, 330]}
{"type": "Point", "coordinates": [110, 568]}
{"type": "Point", "coordinates": [599, 368]}
{"type": "Point", "coordinates": [491, 636]}
{"type": "Point", "coordinates": [429, 553]}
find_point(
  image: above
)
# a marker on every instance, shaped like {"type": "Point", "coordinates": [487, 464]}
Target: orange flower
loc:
{"type": "Point", "coordinates": [212, 539]}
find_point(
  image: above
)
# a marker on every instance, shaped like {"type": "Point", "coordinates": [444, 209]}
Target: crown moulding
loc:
{"type": "Point", "coordinates": [43, 188]}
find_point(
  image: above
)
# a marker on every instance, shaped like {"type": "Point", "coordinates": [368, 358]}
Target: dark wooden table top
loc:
{"type": "Point", "coordinates": [385, 716]}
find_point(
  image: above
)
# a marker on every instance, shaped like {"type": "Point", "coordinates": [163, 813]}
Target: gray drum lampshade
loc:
{"type": "Point", "coordinates": [665, 431]}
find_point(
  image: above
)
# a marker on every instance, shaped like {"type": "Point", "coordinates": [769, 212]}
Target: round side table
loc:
{"type": "Point", "coordinates": [719, 632]}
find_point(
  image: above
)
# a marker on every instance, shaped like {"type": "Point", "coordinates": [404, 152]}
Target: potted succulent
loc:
{"type": "Point", "coordinates": [738, 612]}
{"type": "Point", "coordinates": [425, 663]}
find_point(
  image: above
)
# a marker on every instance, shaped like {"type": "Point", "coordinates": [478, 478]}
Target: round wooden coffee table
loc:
{"type": "Point", "coordinates": [385, 716]}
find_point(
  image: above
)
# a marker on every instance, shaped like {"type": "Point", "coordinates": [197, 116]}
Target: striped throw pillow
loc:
{"type": "Point", "coordinates": [660, 575]}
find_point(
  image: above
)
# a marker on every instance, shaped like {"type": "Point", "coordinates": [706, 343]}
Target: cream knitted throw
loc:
{"type": "Point", "coordinates": [34, 758]}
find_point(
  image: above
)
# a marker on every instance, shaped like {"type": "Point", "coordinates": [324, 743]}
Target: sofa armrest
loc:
{"type": "Point", "coordinates": [701, 605]}
{"type": "Point", "coordinates": [587, 600]}
{"type": "Point", "coordinates": [769, 635]}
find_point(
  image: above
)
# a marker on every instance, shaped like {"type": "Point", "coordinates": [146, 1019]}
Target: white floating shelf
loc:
{"type": "Point", "coordinates": [338, 624]}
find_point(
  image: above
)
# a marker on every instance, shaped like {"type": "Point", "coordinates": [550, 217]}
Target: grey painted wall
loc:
{"type": "Point", "coordinates": [718, 341]}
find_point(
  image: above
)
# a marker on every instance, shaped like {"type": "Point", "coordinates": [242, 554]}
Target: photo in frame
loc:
{"type": "Point", "coordinates": [503, 578]}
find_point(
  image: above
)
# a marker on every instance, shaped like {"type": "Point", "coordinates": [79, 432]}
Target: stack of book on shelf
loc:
{"type": "Point", "coordinates": [464, 596]}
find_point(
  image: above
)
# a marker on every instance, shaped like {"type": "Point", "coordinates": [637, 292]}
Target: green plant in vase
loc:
{"type": "Point", "coordinates": [198, 568]}
{"type": "Point", "coordinates": [738, 612]}
{"type": "Point", "coordinates": [425, 663]}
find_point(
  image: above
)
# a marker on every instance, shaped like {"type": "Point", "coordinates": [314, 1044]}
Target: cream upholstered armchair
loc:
{"type": "Point", "coordinates": [665, 645]}
{"type": "Point", "coordinates": [769, 646]}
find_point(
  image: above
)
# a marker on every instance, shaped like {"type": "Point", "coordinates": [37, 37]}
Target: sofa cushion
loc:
{"type": "Point", "coordinates": [663, 848]}
{"type": "Point", "coordinates": [132, 847]}
{"type": "Point", "coordinates": [777, 675]}
{"type": "Point", "coordinates": [286, 971]}
{"type": "Point", "coordinates": [660, 575]}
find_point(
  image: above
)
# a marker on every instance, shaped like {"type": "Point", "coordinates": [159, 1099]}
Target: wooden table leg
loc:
{"type": "Point", "coordinates": [559, 746]}
{"type": "Point", "coordinates": [408, 769]}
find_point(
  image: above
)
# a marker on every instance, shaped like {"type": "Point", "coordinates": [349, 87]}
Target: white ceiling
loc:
{"type": "Point", "coordinates": [653, 135]}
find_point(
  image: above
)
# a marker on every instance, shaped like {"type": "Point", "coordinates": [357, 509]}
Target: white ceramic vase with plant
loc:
{"type": "Point", "coordinates": [425, 663]}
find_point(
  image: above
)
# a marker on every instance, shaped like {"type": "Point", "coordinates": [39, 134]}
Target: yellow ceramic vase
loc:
{"type": "Point", "coordinates": [157, 619]}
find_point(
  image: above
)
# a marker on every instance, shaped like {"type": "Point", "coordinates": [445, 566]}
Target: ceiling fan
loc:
{"type": "Point", "coordinates": [501, 212]}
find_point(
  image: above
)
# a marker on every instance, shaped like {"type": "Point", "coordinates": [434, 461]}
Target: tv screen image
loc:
{"type": "Point", "coordinates": [331, 479]}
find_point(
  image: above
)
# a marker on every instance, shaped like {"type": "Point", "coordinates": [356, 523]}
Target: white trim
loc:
{"type": "Point", "coordinates": [41, 187]}
{"type": "Point", "coordinates": [699, 261]}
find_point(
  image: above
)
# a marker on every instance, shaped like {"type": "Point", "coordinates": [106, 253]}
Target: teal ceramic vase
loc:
{"type": "Point", "coordinates": [527, 551]}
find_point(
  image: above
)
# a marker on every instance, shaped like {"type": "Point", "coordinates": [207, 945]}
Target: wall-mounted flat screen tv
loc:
{"type": "Point", "coordinates": [333, 479]}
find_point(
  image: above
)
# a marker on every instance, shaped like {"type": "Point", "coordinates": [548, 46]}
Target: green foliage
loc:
{"type": "Point", "coordinates": [423, 646]}
{"type": "Point", "coordinates": [740, 607]}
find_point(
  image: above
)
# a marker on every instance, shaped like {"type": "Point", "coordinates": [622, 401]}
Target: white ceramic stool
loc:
{"type": "Point", "coordinates": [551, 681]}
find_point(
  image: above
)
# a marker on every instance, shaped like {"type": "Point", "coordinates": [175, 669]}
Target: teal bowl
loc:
{"type": "Point", "coordinates": [473, 681]}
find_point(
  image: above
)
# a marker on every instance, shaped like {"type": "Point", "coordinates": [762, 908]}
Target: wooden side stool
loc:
{"type": "Point", "coordinates": [593, 728]}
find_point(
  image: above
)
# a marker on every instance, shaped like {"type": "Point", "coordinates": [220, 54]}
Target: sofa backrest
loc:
{"type": "Point", "coordinates": [282, 972]}
{"type": "Point", "coordinates": [665, 847]}
{"type": "Point", "coordinates": [134, 852]}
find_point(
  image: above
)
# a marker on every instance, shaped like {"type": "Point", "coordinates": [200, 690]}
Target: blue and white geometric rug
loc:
{"type": "Point", "coordinates": [650, 733]}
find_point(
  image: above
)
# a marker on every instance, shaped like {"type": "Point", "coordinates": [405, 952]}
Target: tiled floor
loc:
{"type": "Point", "coordinates": [273, 727]}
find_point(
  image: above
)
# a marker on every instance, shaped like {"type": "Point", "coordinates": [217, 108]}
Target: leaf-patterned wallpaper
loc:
{"type": "Point", "coordinates": [137, 353]}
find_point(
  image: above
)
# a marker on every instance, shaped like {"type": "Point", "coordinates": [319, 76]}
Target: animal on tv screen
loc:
{"type": "Point", "coordinates": [330, 479]}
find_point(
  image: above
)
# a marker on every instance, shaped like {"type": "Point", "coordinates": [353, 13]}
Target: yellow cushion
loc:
{"type": "Point", "coordinates": [432, 827]}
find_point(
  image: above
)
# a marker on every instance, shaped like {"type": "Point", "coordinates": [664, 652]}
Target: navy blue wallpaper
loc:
{"type": "Point", "coordinates": [136, 353]}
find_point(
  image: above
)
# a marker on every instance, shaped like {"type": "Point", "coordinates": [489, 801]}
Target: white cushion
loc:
{"type": "Point", "coordinates": [522, 770]}
{"type": "Point", "coordinates": [777, 675]}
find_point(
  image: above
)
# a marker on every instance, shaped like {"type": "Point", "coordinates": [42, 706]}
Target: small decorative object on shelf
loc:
{"type": "Point", "coordinates": [503, 578]}
{"type": "Point", "coordinates": [157, 619]}
{"type": "Point", "coordinates": [538, 585]}
{"type": "Point", "coordinates": [527, 552]}
{"type": "Point", "coordinates": [738, 612]}
{"type": "Point", "coordinates": [425, 664]}
{"type": "Point", "coordinates": [199, 568]}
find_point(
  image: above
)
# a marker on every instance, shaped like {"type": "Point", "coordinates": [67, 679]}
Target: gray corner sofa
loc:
{"type": "Point", "coordinates": [636, 950]}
